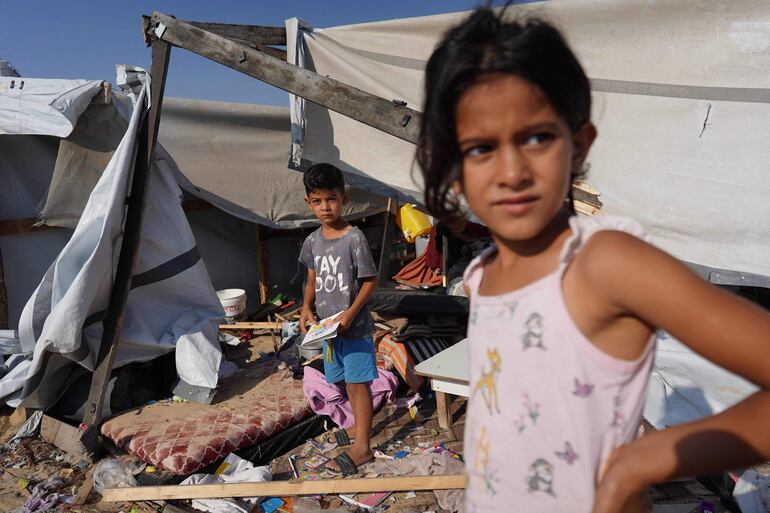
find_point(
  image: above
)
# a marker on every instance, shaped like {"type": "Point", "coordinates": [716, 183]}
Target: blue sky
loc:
{"type": "Point", "coordinates": [85, 38]}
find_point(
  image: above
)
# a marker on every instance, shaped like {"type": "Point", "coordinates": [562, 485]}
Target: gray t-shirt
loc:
{"type": "Point", "coordinates": [340, 264]}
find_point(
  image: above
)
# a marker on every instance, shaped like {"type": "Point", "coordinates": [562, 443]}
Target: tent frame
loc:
{"type": "Point", "coordinates": [250, 50]}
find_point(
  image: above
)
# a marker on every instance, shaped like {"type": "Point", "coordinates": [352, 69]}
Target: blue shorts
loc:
{"type": "Point", "coordinates": [352, 360]}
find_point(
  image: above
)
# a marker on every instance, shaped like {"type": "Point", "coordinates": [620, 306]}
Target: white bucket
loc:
{"type": "Point", "coordinates": [233, 301]}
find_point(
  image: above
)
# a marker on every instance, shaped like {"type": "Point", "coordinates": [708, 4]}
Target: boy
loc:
{"type": "Point", "coordinates": [341, 276]}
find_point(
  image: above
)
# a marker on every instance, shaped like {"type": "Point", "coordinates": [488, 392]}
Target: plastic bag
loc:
{"type": "Point", "coordinates": [114, 473]}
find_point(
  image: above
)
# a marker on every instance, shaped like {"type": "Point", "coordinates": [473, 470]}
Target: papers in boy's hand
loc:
{"type": "Point", "coordinates": [326, 328]}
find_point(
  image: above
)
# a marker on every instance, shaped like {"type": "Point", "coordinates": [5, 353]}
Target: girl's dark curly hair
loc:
{"type": "Point", "coordinates": [484, 44]}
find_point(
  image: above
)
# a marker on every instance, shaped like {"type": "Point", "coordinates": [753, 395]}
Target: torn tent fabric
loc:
{"type": "Point", "coordinates": [172, 304]}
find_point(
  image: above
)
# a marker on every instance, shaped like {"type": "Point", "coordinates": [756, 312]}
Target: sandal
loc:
{"type": "Point", "coordinates": [342, 438]}
{"type": "Point", "coordinates": [338, 436]}
{"type": "Point", "coordinates": [345, 462]}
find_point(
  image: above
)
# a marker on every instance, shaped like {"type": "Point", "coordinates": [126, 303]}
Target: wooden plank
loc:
{"type": "Point", "coordinates": [387, 242]}
{"type": "Point", "coordinates": [63, 436]}
{"type": "Point", "coordinates": [253, 34]}
{"type": "Point", "coordinates": [263, 266]}
{"type": "Point", "coordinates": [17, 226]}
{"type": "Point", "coordinates": [386, 115]}
{"type": "Point", "coordinates": [3, 297]}
{"type": "Point", "coordinates": [251, 326]}
{"type": "Point", "coordinates": [20, 415]}
{"type": "Point", "coordinates": [285, 488]}
{"type": "Point", "coordinates": [130, 247]}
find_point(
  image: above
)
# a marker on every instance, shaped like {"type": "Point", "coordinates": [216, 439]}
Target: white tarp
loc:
{"type": "Point", "coordinates": [39, 106]}
{"type": "Point", "coordinates": [172, 303]}
{"type": "Point", "coordinates": [682, 108]}
{"type": "Point", "coordinates": [685, 386]}
{"type": "Point", "coordinates": [236, 155]}
{"type": "Point", "coordinates": [233, 155]}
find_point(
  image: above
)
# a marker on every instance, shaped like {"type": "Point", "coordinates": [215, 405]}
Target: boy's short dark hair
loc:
{"type": "Point", "coordinates": [324, 177]}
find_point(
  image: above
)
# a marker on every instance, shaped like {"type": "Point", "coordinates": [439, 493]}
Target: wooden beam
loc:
{"type": "Point", "coordinates": [274, 52]}
{"type": "Point", "coordinates": [262, 265]}
{"type": "Point", "coordinates": [390, 117]}
{"type": "Point", "coordinates": [251, 326]}
{"type": "Point", "coordinates": [17, 226]}
{"type": "Point", "coordinates": [252, 34]}
{"type": "Point", "coordinates": [285, 488]}
{"type": "Point", "coordinates": [130, 246]}
{"type": "Point", "coordinates": [387, 242]}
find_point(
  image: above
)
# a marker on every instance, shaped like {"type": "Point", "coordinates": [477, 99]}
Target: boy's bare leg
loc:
{"type": "Point", "coordinates": [361, 402]}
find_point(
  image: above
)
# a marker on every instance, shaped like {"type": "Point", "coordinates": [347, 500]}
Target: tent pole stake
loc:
{"type": "Point", "coordinates": [148, 136]}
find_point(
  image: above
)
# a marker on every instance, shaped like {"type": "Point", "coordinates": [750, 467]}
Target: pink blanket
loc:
{"type": "Point", "coordinates": [331, 400]}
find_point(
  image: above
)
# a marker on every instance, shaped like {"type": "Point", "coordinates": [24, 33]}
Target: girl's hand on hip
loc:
{"type": "Point", "coordinates": [620, 489]}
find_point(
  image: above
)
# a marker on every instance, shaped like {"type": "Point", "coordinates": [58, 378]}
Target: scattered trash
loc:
{"type": "Point", "coordinates": [149, 469]}
{"type": "Point", "coordinates": [433, 464]}
{"type": "Point", "coordinates": [45, 496]}
{"type": "Point", "coordinates": [368, 501]}
{"type": "Point", "coordinates": [382, 455]}
{"type": "Point", "coordinates": [234, 470]}
{"type": "Point", "coordinates": [30, 427]}
{"type": "Point", "coordinates": [321, 447]}
{"type": "Point", "coordinates": [707, 507]}
{"type": "Point", "coordinates": [271, 504]}
{"type": "Point", "coordinates": [401, 454]}
{"type": "Point", "coordinates": [316, 461]}
{"type": "Point", "coordinates": [293, 465]}
{"type": "Point", "coordinates": [23, 483]}
{"type": "Point", "coordinates": [312, 505]}
{"type": "Point", "coordinates": [752, 492]}
{"type": "Point", "coordinates": [114, 473]}
{"type": "Point", "coordinates": [408, 402]}
{"type": "Point", "coordinates": [410, 495]}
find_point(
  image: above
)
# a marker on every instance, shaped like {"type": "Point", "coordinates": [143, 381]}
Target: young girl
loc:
{"type": "Point", "coordinates": [564, 308]}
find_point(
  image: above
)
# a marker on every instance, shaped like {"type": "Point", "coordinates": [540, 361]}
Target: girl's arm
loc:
{"type": "Point", "coordinates": [730, 331]}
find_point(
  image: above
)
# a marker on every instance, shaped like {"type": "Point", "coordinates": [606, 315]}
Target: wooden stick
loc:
{"type": "Point", "coordinates": [251, 326]}
{"type": "Point", "coordinates": [285, 488]}
{"type": "Point", "coordinates": [252, 34]}
{"type": "Point", "coordinates": [262, 265]}
{"type": "Point", "coordinates": [387, 241]}
{"type": "Point", "coordinates": [148, 136]}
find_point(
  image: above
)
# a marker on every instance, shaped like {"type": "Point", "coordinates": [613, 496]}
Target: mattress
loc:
{"type": "Point", "coordinates": [251, 406]}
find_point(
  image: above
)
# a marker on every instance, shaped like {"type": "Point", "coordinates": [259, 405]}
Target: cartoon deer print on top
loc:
{"type": "Point", "coordinates": [487, 384]}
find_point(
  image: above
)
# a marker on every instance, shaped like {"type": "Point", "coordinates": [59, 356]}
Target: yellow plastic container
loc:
{"type": "Point", "coordinates": [412, 222]}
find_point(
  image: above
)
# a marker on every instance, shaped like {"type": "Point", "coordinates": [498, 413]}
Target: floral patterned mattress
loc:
{"type": "Point", "coordinates": [250, 406]}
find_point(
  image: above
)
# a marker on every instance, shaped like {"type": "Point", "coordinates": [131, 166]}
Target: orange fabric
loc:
{"type": "Point", "coordinates": [402, 362]}
{"type": "Point", "coordinates": [417, 272]}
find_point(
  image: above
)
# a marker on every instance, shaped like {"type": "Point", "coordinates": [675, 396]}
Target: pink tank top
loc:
{"type": "Point", "coordinates": [547, 407]}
